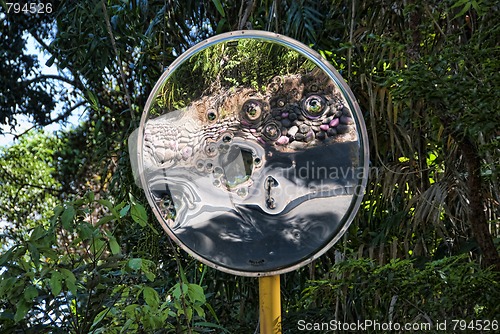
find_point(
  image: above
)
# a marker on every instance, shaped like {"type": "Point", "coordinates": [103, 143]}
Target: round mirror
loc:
{"type": "Point", "coordinates": [253, 153]}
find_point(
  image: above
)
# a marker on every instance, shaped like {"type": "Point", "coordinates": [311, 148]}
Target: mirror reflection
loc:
{"type": "Point", "coordinates": [251, 155]}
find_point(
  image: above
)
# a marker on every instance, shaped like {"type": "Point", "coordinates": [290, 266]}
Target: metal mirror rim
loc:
{"type": "Point", "coordinates": [350, 99]}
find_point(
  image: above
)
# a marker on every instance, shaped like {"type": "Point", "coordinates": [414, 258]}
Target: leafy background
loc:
{"type": "Point", "coordinates": [81, 253]}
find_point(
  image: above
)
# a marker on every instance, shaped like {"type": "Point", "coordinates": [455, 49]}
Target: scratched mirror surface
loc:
{"type": "Point", "coordinates": [252, 153]}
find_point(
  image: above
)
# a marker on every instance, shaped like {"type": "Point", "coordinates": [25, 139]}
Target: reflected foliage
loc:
{"type": "Point", "coordinates": [230, 65]}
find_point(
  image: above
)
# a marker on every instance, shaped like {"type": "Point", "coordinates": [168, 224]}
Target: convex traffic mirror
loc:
{"type": "Point", "coordinates": [253, 153]}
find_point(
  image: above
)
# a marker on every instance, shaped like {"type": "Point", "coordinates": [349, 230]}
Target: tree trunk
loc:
{"type": "Point", "coordinates": [476, 212]}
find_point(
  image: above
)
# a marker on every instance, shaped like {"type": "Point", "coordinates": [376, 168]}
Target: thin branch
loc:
{"type": "Point", "coordinates": [426, 7]}
{"type": "Point", "coordinates": [76, 82]}
{"type": "Point", "coordinates": [120, 66]}
{"type": "Point", "coordinates": [243, 19]}
{"type": "Point", "coordinates": [29, 185]}
{"type": "Point", "coordinates": [351, 45]}
{"type": "Point", "coordinates": [68, 112]}
{"type": "Point", "coordinates": [22, 185]}
{"type": "Point", "coordinates": [41, 42]}
{"type": "Point", "coordinates": [51, 76]}
{"type": "Point", "coordinates": [240, 14]}
{"type": "Point", "coordinates": [57, 119]}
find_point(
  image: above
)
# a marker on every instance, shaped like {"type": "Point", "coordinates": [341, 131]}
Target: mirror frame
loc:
{"type": "Point", "coordinates": [332, 73]}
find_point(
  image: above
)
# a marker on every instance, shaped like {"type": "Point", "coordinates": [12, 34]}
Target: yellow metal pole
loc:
{"type": "Point", "coordinates": [270, 304]}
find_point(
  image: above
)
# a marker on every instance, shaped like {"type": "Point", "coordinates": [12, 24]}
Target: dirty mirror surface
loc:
{"type": "Point", "coordinates": [251, 156]}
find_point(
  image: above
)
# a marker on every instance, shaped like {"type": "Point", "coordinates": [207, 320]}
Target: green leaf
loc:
{"type": "Point", "coordinates": [189, 313]}
{"type": "Point", "coordinates": [126, 326]}
{"type": "Point", "coordinates": [90, 195]}
{"type": "Point", "coordinates": [37, 233]}
{"type": "Point", "coordinates": [69, 280]}
{"type": "Point", "coordinates": [78, 202]}
{"type": "Point", "coordinates": [150, 276]}
{"type": "Point", "coordinates": [475, 5]}
{"type": "Point", "coordinates": [199, 311]}
{"type": "Point", "coordinates": [135, 263]}
{"type": "Point", "coordinates": [50, 61]}
{"type": "Point", "coordinates": [195, 293]}
{"type": "Point", "coordinates": [220, 25]}
{"type": "Point", "coordinates": [219, 7]}
{"type": "Point", "coordinates": [176, 291]}
{"type": "Point", "coordinates": [113, 245]}
{"type": "Point", "coordinates": [6, 257]}
{"type": "Point", "coordinates": [124, 210]}
{"type": "Point", "coordinates": [106, 203]}
{"type": "Point", "coordinates": [56, 283]}
{"type": "Point", "coordinates": [97, 127]}
{"type": "Point", "coordinates": [183, 275]}
{"type": "Point", "coordinates": [48, 253]}
{"type": "Point", "coordinates": [19, 251]}
{"type": "Point", "coordinates": [110, 206]}
{"type": "Point", "coordinates": [99, 317]}
{"type": "Point", "coordinates": [105, 220]}
{"type": "Point", "coordinates": [22, 308]}
{"type": "Point", "coordinates": [212, 311]}
{"type": "Point", "coordinates": [68, 275]}
{"type": "Point", "coordinates": [210, 324]}
{"type": "Point", "coordinates": [151, 297]}
{"type": "Point", "coordinates": [93, 100]}
{"type": "Point", "coordinates": [464, 10]}
{"type": "Point", "coordinates": [86, 231]}
{"type": "Point", "coordinates": [97, 246]}
{"type": "Point", "coordinates": [139, 214]}
{"type": "Point", "coordinates": [6, 285]}
{"type": "Point", "coordinates": [184, 288]}
{"type": "Point", "coordinates": [67, 217]}
{"type": "Point", "coordinates": [57, 212]}
{"type": "Point", "coordinates": [35, 254]}
{"type": "Point", "coordinates": [71, 287]}
{"type": "Point", "coordinates": [129, 310]}
{"type": "Point", "coordinates": [459, 3]}
{"type": "Point", "coordinates": [30, 293]}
